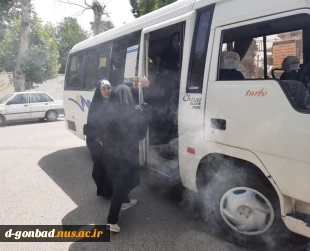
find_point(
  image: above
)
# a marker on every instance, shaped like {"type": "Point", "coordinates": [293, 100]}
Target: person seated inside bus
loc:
{"type": "Point", "coordinates": [229, 64]}
{"type": "Point", "coordinates": [291, 67]}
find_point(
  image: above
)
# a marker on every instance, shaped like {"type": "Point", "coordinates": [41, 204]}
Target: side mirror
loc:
{"type": "Point", "coordinates": [9, 103]}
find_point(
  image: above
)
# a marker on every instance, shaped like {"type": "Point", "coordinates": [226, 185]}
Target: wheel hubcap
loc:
{"type": "Point", "coordinates": [246, 211]}
{"type": "Point", "coordinates": [52, 115]}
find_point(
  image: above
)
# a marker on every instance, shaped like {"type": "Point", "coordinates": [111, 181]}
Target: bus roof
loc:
{"type": "Point", "coordinates": [172, 10]}
{"type": "Point", "coordinates": [227, 12]}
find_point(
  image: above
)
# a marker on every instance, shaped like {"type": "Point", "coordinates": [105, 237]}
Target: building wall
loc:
{"type": "Point", "coordinates": [5, 86]}
{"type": "Point", "coordinates": [54, 87]}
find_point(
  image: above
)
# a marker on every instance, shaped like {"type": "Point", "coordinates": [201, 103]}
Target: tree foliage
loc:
{"type": "Point", "coordinates": [42, 61]}
{"type": "Point", "coordinates": [135, 8]}
{"type": "Point", "coordinates": [142, 7]}
{"type": "Point", "coordinates": [68, 33]}
{"type": "Point", "coordinates": [162, 3]}
{"type": "Point", "coordinates": [8, 9]}
{"type": "Point", "coordinates": [146, 6]}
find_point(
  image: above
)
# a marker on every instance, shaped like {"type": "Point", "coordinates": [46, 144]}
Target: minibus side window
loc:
{"type": "Point", "coordinates": [97, 65]}
{"type": "Point", "coordinates": [118, 57]}
{"type": "Point", "coordinates": [274, 49]}
{"type": "Point", "coordinates": [199, 51]}
{"type": "Point", "coordinates": [104, 61]}
{"type": "Point", "coordinates": [75, 73]}
{"type": "Point", "coordinates": [91, 68]}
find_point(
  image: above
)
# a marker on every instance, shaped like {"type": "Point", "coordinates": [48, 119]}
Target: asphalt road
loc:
{"type": "Point", "coordinates": [45, 178]}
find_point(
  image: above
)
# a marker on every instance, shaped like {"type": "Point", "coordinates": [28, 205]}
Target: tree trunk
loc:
{"type": "Point", "coordinates": [19, 75]}
{"type": "Point", "coordinates": [98, 12]}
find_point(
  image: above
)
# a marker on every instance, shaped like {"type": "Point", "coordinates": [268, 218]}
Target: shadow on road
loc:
{"type": "Point", "coordinates": [162, 219]}
{"type": "Point", "coordinates": [71, 170]}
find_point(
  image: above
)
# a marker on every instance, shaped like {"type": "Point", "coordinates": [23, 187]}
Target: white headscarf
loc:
{"type": "Point", "coordinates": [104, 82]}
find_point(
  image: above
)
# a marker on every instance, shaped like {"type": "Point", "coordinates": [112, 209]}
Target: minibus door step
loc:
{"type": "Point", "coordinates": [301, 216]}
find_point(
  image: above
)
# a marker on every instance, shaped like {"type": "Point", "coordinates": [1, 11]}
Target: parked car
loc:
{"type": "Point", "coordinates": [29, 105]}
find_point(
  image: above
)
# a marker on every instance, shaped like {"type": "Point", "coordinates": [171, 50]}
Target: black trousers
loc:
{"type": "Point", "coordinates": [105, 188]}
{"type": "Point", "coordinates": [119, 197]}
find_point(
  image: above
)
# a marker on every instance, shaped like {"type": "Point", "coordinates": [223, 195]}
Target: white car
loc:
{"type": "Point", "coordinates": [29, 105]}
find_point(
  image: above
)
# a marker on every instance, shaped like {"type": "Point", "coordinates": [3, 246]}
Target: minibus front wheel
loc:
{"type": "Point", "coordinates": [242, 204]}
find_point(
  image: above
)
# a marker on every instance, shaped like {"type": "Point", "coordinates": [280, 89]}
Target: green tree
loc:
{"type": "Point", "coordinates": [162, 3]}
{"type": "Point", "coordinates": [69, 33]}
{"type": "Point", "coordinates": [25, 21]}
{"type": "Point", "coordinates": [142, 7]}
{"type": "Point", "coordinates": [8, 9]}
{"type": "Point", "coordinates": [146, 6]}
{"type": "Point", "coordinates": [135, 8]}
{"type": "Point", "coordinates": [41, 63]}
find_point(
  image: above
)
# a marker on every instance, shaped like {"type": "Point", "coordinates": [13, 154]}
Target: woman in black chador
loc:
{"type": "Point", "coordinates": [121, 125]}
{"type": "Point", "coordinates": [102, 98]}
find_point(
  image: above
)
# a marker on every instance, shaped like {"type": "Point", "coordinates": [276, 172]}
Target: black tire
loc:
{"type": "Point", "coordinates": [2, 120]}
{"type": "Point", "coordinates": [51, 116]}
{"type": "Point", "coordinates": [232, 176]}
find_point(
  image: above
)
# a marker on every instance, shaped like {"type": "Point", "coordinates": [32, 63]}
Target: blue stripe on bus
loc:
{"type": "Point", "coordinates": [84, 103]}
{"type": "Point", "coordinates": [133, 50]}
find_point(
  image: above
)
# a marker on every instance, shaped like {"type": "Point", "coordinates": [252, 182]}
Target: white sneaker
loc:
{"type": "Point", "coordinates": [114, 228]}
{"type": "Point", "coordinates": [130, 204]}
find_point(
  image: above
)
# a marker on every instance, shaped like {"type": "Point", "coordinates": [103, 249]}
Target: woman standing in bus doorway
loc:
{"type": "Point", "coordinates": [122, 126]}
{"type": "Point", "coordinates": [100, 100]}
{"type": "Point", "coordinates": [170, 57]}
